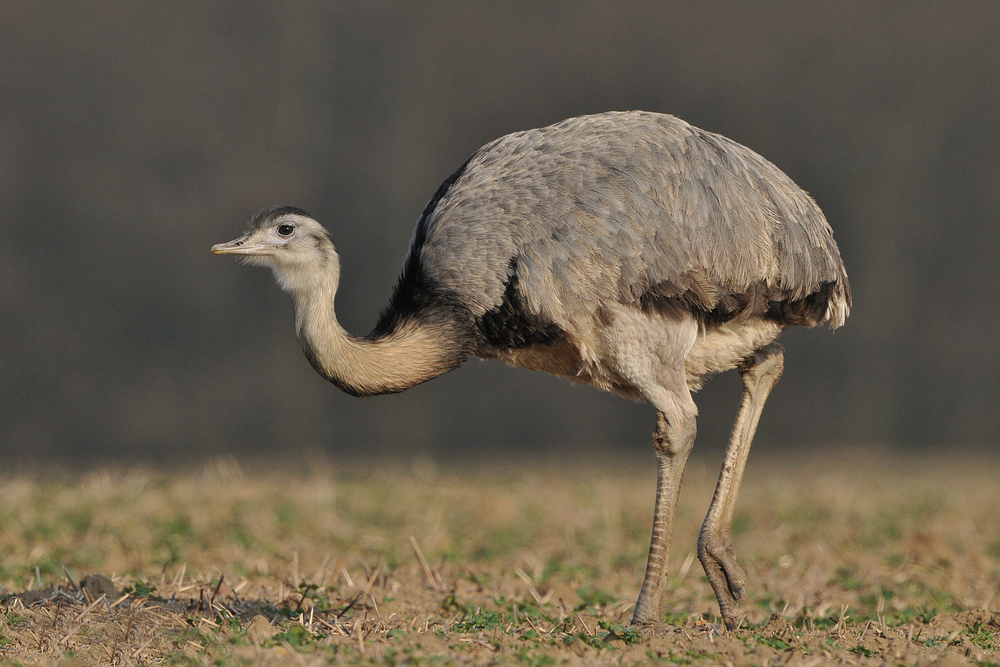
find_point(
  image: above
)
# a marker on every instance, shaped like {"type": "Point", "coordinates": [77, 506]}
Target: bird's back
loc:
{"type": "Point", "coordinates": [631, 208]}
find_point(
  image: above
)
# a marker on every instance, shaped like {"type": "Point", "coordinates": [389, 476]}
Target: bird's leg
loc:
{"type": "Point", "coordinates": [760, 373]}
{"type": "Point", "coordinates": [672, 440]}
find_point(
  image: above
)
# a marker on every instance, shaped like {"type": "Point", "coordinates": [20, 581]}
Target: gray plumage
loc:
{"type": "Point", "coordinates": [630, 251]}
{"type": "Point", "coordinates": [613, 206]}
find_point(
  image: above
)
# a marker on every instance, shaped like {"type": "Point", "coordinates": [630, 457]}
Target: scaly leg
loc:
{"type": "Point", "coordinates": [760, 373]}
{"type": "Point", "coordinates": [673, 440]}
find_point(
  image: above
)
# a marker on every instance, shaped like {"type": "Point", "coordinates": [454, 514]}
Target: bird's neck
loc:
{"type": "Point", "coordinates": [416, 350]}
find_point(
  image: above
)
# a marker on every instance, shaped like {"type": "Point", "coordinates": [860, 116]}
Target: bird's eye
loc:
{"type": "Point", "coordinates": [286, 230]}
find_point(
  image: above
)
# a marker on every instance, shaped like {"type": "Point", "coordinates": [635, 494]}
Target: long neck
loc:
{"type": "Point", "coordinates": [415, 351]}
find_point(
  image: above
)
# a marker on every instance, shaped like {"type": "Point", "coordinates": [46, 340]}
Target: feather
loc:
{"type": "Point", "coordinates": [614, 207]}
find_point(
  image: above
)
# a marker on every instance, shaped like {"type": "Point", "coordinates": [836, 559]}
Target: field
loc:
{"type": "Point", "coordinates": [851, 558]}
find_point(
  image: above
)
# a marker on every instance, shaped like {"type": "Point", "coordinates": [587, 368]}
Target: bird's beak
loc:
{"type": "Point", "coordinates": [242, 246]}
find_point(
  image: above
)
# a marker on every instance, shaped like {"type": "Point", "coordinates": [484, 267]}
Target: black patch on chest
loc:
{"type": "Point", "coordinates": [512, 324]}
{"type": "Point", "coordinates": [418, 297]}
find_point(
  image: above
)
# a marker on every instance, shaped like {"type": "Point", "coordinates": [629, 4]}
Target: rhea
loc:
{"type": "Point", "coordinates": [628, 250]}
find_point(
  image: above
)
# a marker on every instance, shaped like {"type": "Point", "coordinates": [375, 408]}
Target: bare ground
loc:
{"type": "Point", "coordinates": [852, 558]}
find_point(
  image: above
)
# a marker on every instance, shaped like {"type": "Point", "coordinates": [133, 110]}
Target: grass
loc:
{"type": "Point", "coordinates": [868, 560]}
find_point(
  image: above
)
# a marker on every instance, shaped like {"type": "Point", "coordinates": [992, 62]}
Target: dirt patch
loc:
{"type": "Point", "coordinates": [531, 565]}
{"type": "Point", "coordinates": [474, 629]}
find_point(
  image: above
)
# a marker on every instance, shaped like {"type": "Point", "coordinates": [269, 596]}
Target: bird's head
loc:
{"type": "Point", "coordinates": [297, 248]}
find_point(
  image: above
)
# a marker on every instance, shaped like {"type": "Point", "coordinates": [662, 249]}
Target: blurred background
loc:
{"type": "Point", "coordinates": [133, 136]}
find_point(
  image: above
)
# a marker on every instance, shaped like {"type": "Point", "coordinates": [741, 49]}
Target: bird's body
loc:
{"type": "Point", "coordinates": [630, 251]}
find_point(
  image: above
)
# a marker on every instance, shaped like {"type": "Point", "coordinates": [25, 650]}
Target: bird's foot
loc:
{"type": "Point", "coordinates": [727, 578]}
{"type": "Point", "coordinates": [730, 620]}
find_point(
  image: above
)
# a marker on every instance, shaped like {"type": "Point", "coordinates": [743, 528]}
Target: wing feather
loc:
{"type": "Point", "coordinates": [635, 208]}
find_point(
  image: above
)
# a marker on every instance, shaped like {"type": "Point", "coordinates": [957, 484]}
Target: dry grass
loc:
{"type": "Point", "coordinates": [849, 557]}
